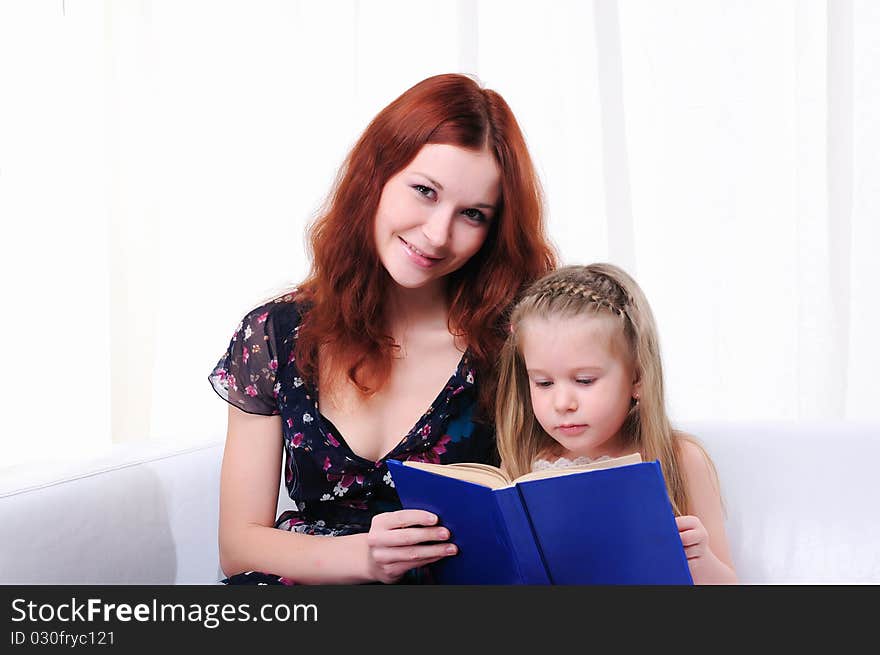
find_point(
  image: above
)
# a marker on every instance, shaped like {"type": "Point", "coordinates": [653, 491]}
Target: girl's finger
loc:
{"type": "Point", "coordinates": [686, 522]}
{"type": "Point", "coordinates": [690, 538]}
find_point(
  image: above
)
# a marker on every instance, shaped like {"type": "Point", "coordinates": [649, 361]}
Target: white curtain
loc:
{"type": "Point", "coordinates": [160, 160]}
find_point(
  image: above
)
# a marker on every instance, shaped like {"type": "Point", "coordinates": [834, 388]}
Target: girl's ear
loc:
{"type": "Point", "coordinates": [636, 389]}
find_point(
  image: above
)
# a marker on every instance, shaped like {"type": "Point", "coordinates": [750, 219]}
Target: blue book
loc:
{"type": "Point", "coordinates": [608, 522]}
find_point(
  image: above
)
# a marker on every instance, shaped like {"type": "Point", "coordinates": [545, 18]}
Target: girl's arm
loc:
{"type": "Point", "coordinates": [249, 483]}
{"type": "Point", "coordinates": [702, 533]}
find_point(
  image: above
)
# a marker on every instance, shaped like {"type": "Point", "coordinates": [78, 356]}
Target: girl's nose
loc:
{"type": "Point", "coordinates": [564, 401]}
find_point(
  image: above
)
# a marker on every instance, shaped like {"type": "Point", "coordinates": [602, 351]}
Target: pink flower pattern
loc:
{"type": "Point", "coordinates": [336, 492]}
{"type": "Point", "coordinates": [432, 456]}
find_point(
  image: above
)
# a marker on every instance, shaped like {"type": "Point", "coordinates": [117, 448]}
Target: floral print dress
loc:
{"type": "Point", "coordinates": [335, 491]}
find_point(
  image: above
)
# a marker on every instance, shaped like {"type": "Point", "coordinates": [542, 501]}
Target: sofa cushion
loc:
{"type": "Point", "coordinates": [143, 514]}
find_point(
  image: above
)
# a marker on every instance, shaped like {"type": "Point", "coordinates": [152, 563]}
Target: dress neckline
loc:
{"type": "Point", "coordinates": [466, 380]}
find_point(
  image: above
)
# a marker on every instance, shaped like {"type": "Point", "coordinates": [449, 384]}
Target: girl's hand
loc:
{"type": "Point", "coordinates": [394, 546]}
{"type": "Point", "coordinates": [694, 536]}
{"type": "Point", "coordinates": [704, 565]}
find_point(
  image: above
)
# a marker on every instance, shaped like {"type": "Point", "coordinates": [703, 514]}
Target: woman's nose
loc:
{"type": "Point", "coordinates": [438, 227]}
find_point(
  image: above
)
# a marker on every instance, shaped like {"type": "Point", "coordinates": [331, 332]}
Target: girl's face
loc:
{"type": "Point", "coordinates": [580, 380]}
{"type": "Point", "coordinates": [434, 215]}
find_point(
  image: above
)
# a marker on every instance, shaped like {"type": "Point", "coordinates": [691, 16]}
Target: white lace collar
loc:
{"type": "Point", "coordinates": [564, 462]}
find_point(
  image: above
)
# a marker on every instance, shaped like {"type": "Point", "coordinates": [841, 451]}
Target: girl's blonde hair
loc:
{"type": "Point", "coordinates": [600, 290]}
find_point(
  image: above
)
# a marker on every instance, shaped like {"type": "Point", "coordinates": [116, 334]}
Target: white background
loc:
{"type": "Point", "coordinates": [160, 161]}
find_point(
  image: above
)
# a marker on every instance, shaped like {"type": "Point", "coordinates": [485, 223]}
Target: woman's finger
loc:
{"type": "Point", "coordinates": [408, 537]}
{"type": "Point", "coordinates": [412, 555]}
{"type": "Point", "coordinates": [404, 518]}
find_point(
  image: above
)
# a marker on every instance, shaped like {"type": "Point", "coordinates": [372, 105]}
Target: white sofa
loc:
{"type": "Point", "coordinates": [143, 514]}
{"type": "Point", "coordinates": [801, 509]}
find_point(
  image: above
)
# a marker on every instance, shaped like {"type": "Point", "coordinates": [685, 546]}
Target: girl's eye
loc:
{"type": "Point", "coordinates": [586, 380]}
{"type": "Point", "coordinates": [542, 383]}
{"type": "Point", "coordinates": [475, 215]}
{"type": "Point", "coordinates": [426, 191]}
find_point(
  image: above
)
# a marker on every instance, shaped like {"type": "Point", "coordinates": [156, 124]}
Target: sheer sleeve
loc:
{"type": "Point", "coordinates": [246, 374]}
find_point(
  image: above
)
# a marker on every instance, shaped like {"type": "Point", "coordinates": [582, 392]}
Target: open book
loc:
{"type": "Point", "coordinates": [495, 478]}
{"type": "Point", "coordinates": [607, 522]}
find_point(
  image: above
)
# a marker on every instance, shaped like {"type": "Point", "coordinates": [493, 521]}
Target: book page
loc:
{"type": "Point", "coordinates": [624, 460]}
{"type": "Point", "coordinates": [483, 474]}
{"type": "Point", "coordinates": [494, 478]}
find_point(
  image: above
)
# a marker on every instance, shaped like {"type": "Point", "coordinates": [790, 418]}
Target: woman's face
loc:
{"type": "Point", "coordinates": [434, 214]}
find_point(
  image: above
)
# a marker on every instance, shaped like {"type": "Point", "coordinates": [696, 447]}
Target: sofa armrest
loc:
{"type": "Point", "coordinates": [143, 514]}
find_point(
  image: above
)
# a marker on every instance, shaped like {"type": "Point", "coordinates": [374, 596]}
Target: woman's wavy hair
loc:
{"type": "Point", "coordinates": [347, 288]}
{"type": "Point", "coordinates": [606, 292]}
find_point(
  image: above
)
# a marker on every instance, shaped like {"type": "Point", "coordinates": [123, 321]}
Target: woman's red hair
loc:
{"type": "Point", "coordinates": [346, 291]}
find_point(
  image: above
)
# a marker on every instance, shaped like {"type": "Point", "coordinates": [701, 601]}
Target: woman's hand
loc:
{"type": "Point", "coordinates": [395, 546]}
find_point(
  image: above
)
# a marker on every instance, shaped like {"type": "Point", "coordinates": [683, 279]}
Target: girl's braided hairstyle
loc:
{"type": "Point", "coordinates": [606, 292]}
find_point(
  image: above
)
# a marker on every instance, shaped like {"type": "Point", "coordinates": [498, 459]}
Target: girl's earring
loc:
{"type": "Point", "coordinates": [636, 398]}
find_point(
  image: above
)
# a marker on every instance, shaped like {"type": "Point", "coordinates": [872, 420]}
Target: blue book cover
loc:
{"type": "Point", "coordinates": [605, 526]}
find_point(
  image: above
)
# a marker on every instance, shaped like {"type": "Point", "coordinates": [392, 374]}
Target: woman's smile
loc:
{"type": "Point", "coordinates": [434, 215]}
{"type": "Point", "coordinates": [418, 257]}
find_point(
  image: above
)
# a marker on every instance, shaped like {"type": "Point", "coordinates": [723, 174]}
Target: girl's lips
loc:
{"type": "Point", "coordinates": [572, 430]}
{"type": "Point", "coordinates": [417, 257]}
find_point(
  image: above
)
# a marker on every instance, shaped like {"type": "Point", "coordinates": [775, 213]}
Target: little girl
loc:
{"type": "Point", "coordinates": [581, 380]}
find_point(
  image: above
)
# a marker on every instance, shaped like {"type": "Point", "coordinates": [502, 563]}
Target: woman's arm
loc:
{"type": "Point", "coordinates": [702, 533]}
{"type": "Point", "coordinates": [249, 483]}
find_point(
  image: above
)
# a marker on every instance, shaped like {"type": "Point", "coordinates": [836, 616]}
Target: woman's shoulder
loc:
{"type": "Point", "coordinates": [288, 301]}
{"type": "Point", "coordinates": [280, 314]}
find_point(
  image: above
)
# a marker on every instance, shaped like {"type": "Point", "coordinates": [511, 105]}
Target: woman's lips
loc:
{"type": "Point", "coordinates": [418, 257]}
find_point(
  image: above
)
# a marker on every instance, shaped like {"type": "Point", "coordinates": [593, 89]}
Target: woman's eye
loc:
{"type": "Point", "coordinates": [426, 191]}
{"type": "Point", "coordinates": [475, 215]}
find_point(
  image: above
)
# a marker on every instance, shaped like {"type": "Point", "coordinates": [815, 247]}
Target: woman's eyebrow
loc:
{"type": "Point", "coordinates": [432, 181]}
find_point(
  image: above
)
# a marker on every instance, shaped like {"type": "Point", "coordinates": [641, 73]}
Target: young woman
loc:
{"type": "Point", "coordinates": [387, 350]}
